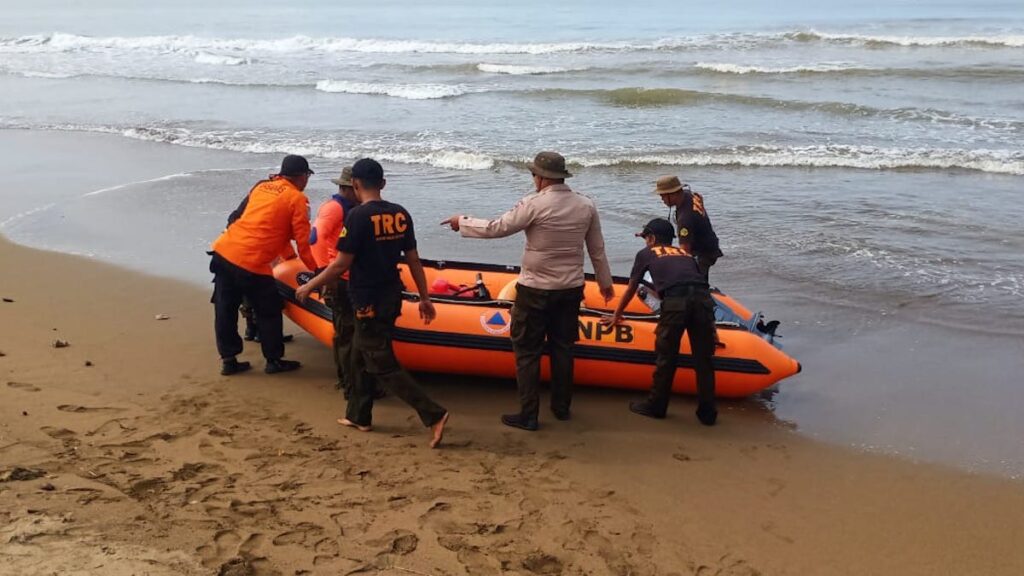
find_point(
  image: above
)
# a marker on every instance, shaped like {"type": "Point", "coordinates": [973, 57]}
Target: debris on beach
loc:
{"type": "Point", "coordinates": [88, 363]}
{"type": "Point", "coordinates": [19, 474]}
{"type": "Point", "coordinates": [162, 317]}
{"type": "Point", "coordinates": [48, 487]}
{"type": "Point", "coordinates": [2, 354]}
{"type": "Point", "coordinates": [58, 343]}
{"type": "Point", "coordinates": [8, 300]}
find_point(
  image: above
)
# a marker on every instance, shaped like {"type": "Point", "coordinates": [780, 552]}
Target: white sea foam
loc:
{"type": "Point", "coordinates": [48, 75]}
{"type": "Point", "coordinates": [407, 91]}
{"type": "Point", "coordinates": [1003, 40]}
{"type": "Point", "coordinates": [129, 184]}
{"type": "Point", "coordinates": [727, 68]}
{"type": "Point", "coordinates": [11, 220]}
{"type": "Point", "coordinates": [520, 70]}
{"type": "Point", "coordinates": [830, 156]}
{"type": "Point", "coordinates": [220, 60]}
{"type": "Point", "coordinates": [452, 156]}
{"type": "Point", "coordinates": [63, 42]}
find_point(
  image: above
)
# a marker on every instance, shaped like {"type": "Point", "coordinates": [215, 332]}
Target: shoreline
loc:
{"type": "Point", "coordinates": [904, 402]}
{"type": "Point", "coordinates": [152, 455]}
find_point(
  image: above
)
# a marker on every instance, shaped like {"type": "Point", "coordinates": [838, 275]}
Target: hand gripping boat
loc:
{"type": "Point", "coordinates": [470, 335]}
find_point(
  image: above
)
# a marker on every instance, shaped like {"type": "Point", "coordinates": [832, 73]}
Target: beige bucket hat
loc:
{"type": "Point", "coordinates": [346, 177]}
{"type": "Point", "coordinates": [549, 165]}
{"type": "Point", "coordinates": [669, 184]}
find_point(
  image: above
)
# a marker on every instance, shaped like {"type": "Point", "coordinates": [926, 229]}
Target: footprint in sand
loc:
{"type": "Point", "coordinates": [400, 542]}
{"type": "Point", "coordinates": [23, 387]}
{"type": "Point", "coordinates": [541, 563]}
{"type": "Point", "coordinates": [224, 545]}
{"type": "Point", "coordinates": [327, 547]}
{"type": "Point", "coordinates": [304, 533]}
{"type": "Point", "coordinates": [82, 409]}
{"type": "Point", "coordinates": [111, 427]}
{"type": "Point", "coordinates": [58, 433]}
{"type": "Point", "coordinates": [148, 488]}
{"type": "Point", "coordinates": [684, 457]}
{"type": "Point", "coordinates": [471, 557]}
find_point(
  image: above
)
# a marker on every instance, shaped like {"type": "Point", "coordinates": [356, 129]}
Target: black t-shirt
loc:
{"type": "Point", "coordinates": [376, 234]}
{"type": "Point", "coordinates": [693, 227]}
{"type": "Point", "coordinates": [669, 266]}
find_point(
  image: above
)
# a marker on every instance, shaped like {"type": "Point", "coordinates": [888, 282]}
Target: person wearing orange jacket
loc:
{"type": "Point", "coordinates": [330, 219]}
{"type": "Point", "coordinates": [275, 212]}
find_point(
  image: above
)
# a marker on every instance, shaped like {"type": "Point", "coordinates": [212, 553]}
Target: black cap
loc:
{"type": "Point", "coordinates": [368, 171]}
{"type": "Point", "coordinates": [660, 228]}
{"type": "Point", "coordinates": [294, 165]}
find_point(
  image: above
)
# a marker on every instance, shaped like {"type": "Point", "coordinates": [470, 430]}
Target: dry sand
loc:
{"type": "Point", "coordinates": [152, 463]}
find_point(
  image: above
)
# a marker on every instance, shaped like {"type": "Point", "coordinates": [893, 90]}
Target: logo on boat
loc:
{"type": "Point", "coordinates": [494, 323]}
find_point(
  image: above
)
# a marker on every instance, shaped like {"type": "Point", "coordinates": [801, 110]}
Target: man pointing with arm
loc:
{"type": "Point", "coordinates": [558, 223]}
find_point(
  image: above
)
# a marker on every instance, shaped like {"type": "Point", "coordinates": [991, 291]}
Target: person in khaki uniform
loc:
{"type": "Point", "coordinates": [693, 225]}
{"type": "Point", "coordinates": [558, 224]}
{"type": "Point", "coordinates": [686, 306]}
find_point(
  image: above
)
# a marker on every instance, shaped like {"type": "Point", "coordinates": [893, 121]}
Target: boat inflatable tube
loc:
{"type": "Point", "coordinates": [470, 335]}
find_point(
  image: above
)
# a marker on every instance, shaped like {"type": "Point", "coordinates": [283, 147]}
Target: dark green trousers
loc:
{"type": "Point", "coordinates": [690, 310]}
{"type": "Point", "coordinates": [344, 320]}
{"type": "Point", "coordinates": [536, 315]}
{"type": "Point", "coordinates": [372, 355]}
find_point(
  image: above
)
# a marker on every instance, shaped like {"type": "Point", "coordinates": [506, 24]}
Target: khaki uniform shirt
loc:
{"type": "Point", "coordinates": [557, 222]}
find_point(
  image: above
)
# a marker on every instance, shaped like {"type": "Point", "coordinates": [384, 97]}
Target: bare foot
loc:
{"type": "Point", "coordinates": [438, 430]}
{"type": "Point", "coordinates": [351, 424]}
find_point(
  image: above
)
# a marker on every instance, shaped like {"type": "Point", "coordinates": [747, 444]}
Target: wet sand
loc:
{"type": "Point", "coordinates": [140, 458]}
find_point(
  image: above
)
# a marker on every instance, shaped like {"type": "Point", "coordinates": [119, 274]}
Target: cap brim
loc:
{"type": "Point", "coordinates": [340, 182]}
{"type": "Point", "coordinates": [672, 191]}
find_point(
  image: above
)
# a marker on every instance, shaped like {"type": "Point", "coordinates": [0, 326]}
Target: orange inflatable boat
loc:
{"type": "Point", "coordinates": [470, 334]}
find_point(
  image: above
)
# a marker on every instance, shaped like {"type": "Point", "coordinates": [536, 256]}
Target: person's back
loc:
{"type": "Point", "coordinates": [276, 212]}
{"type": "Point", "coordinates": [556, 235]}
{"type": "Point", "coordinates": [376, 233]}
{"type": "Point", "coordinates": [260, 230]}
{"type": "Point", "coordinates": [687, 307]}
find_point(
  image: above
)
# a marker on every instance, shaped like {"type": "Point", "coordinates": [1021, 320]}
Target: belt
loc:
{"type": "Point", "coordinates": [683, 289]}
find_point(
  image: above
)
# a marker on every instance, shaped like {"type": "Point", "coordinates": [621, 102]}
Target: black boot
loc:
{"type": "Point", "coordinates": [520, 421]}
{"type": "Point", "coordinates": [707, 414]}
{"type": "Point", "coordinates": [233, 366]}
{"type": "Point", "coordinates": [647, 408]}
{"type": "Point", "coordinates": [281, 365]}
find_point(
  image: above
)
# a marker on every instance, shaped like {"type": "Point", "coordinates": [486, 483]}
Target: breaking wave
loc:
{"type": "Point", "coordinates": [725, 68]}
{"type": "Point", "coordinates": [829, 156]}
{"type": "Point", "coordinates": [63, 42]}
{"type": "Point", "coordinates": [519, 70]}
{"type": "Point", "coordinates": [882, 41]}
{"type": "Point", "coordinates": [220, 60]}
{"type": "Point", "coordinates": [1008, 74]}
{"type": "Point", "coordinates": [407, 91]}
{"type": "Point", "coordinates": [453, 156]}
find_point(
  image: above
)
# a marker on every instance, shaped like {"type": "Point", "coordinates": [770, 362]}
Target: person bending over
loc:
{"type": "Point", "coordinates": [686, 306]}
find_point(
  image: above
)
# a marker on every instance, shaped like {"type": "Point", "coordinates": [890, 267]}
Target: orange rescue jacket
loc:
{"type": "Point", "coordinates": [276, 212]}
